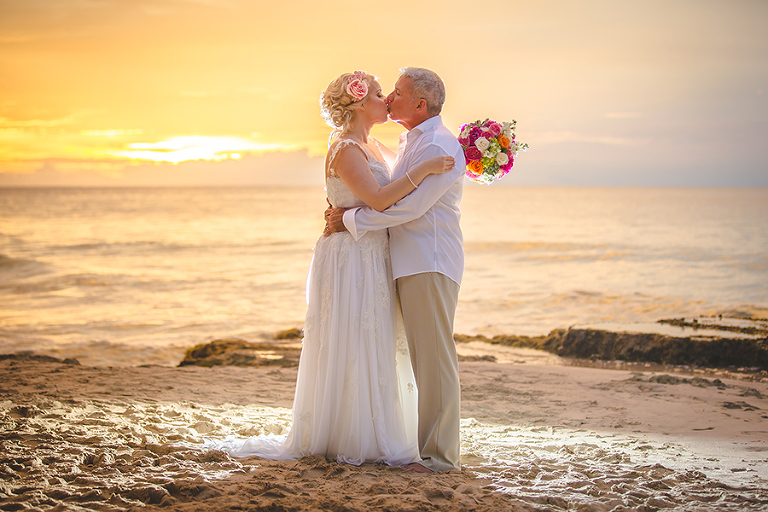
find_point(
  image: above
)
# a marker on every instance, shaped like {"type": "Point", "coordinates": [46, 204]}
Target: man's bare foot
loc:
{"type": "Point", "coordinates": [415, 467]}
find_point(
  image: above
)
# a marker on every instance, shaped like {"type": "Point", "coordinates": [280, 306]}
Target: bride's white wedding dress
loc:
{"type": "Point", "coordinates": [355, 395]}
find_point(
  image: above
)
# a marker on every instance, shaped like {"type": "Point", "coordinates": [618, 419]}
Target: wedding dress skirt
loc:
{"type": "Point", "coordinates": [355, 395]}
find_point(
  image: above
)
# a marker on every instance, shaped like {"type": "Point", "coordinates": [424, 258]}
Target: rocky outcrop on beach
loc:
{"type": "Point", "coordinates": [658, 348]}
{"type": "Point", "coordinates": [40, 358]}
{"type": "Point", "coordinates": [596, 344]}
{"type": "Point", "coordinates": [237, 352]}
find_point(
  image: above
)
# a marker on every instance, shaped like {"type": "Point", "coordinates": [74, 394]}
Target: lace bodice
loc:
{"type": "Point", "coordinates": [338, 193]}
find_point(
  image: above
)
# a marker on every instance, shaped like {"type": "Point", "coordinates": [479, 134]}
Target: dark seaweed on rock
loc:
{"type": "Point", "coordinates": [756, 330]}
{"type": "Point", "coordinates": [641, 347]}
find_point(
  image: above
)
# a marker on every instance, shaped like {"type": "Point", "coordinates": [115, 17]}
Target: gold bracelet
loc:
{"type": "Point", "coordinates": [409, 179]}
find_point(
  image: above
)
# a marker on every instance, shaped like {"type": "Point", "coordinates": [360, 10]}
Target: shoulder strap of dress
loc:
{"type": "Point", "coordinates": [335, 150]}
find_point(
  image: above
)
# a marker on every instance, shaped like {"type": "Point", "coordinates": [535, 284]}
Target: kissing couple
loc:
{"type": "Point", "coordinates": [378, 378]}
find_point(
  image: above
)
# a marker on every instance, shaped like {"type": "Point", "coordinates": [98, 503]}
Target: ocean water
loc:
{"type": "Point", "coordinates": [135, 276]}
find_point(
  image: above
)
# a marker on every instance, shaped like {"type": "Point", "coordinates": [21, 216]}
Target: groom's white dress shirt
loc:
{"type": "Point", "coordinates": [424, 233]}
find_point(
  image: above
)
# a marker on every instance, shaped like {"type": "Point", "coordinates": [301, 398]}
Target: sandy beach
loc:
{"type": "Point", "coordinates": [537, 434]}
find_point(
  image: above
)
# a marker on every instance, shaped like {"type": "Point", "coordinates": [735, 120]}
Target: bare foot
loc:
{"type": "Point", "coordinates": [415, 467]}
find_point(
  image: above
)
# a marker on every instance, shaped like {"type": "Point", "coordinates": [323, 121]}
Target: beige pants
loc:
{"type": "Point", "coordinates": [428, 303]}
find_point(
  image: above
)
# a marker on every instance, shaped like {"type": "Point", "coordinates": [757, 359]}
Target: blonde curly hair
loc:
{"type": "Point", "coordinates": [337, 106]}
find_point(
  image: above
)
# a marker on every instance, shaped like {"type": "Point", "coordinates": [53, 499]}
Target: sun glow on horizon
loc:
{"type": "Point", "coordinates": [194, 147]}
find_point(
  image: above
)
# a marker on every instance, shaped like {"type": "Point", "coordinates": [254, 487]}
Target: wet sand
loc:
{"type": "Point", "coordinates": [536, 435]}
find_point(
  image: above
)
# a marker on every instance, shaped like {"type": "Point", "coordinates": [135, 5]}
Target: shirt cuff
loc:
{"type": "Point", "coordinates": [349, 222]}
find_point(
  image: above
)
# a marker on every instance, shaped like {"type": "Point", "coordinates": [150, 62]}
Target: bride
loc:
{"type": "Point", "coordinates": [355, 396]}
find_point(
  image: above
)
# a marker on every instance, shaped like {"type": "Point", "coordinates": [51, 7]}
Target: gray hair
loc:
{"type": "Point", "coordinates": [427, 85]}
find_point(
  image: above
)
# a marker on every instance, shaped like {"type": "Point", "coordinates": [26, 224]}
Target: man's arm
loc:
{"type": "Point", "coordinates": [334, 222]}
{"type": "Point", "coordinates": [358, 221]}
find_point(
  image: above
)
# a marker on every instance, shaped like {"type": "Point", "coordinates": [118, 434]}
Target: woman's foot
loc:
{"type": "Point", "coordinates": [415, 467]}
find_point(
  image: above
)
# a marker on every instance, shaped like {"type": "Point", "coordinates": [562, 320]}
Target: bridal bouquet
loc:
{"type": "Point", "coordinates": [490, 149]}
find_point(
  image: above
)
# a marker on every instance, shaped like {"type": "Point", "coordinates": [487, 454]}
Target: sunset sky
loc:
{"type": "Point", "coordinates": [225, 92]}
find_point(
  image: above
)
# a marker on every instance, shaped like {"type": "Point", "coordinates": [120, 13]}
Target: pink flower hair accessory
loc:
{"type": "Point", "coordinates": [357, 87]}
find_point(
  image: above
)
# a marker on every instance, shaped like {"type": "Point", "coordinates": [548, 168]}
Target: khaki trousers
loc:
{"type": "Point", "coordinates": [428, 302]}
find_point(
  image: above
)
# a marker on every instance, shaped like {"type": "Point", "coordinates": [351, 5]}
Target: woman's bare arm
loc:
{"type": "Point", "coordinates": [352, 167]}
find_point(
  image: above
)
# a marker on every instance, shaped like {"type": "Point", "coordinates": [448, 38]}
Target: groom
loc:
{"type": "Point", "coordinates": [427, 259]}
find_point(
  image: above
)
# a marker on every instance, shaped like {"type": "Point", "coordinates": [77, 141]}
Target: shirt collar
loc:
{"type": "Point", "coordinates": [430, 124]}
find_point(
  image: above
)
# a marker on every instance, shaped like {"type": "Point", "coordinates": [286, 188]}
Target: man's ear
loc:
{"type": "Point", "coordinates": [422, 104]}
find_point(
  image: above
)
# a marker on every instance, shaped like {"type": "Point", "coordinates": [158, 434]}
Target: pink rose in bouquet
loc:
{"type": "Point", "coordinates": [472, 153]}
